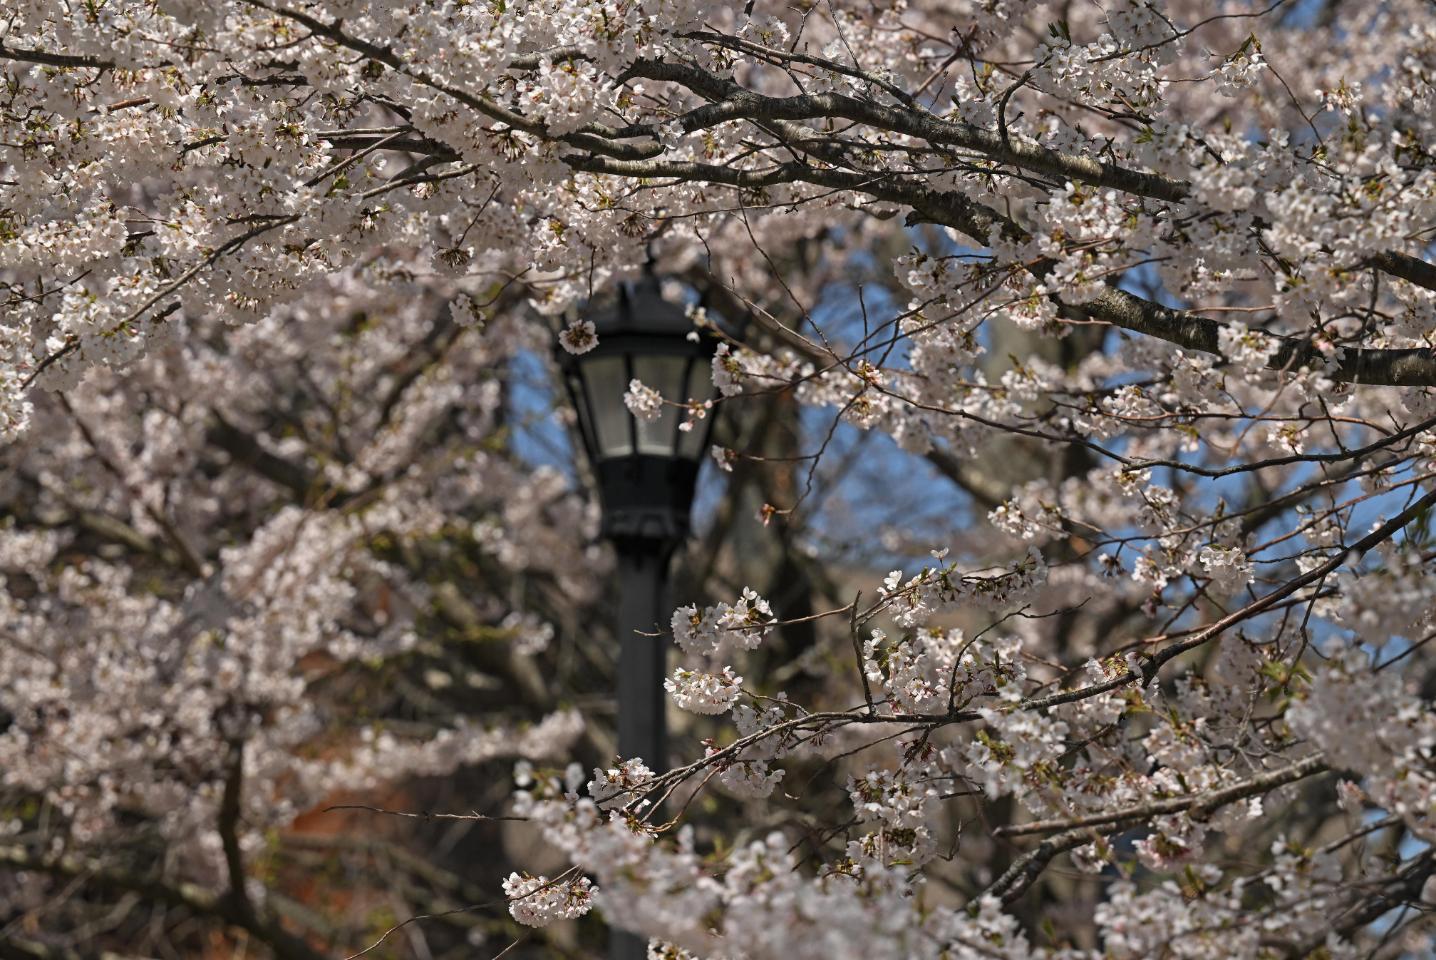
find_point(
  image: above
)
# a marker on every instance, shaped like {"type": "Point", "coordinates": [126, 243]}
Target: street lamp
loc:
{"type": "Point", "coordinates": [646, 469]}
{"type": "Point", "coordinates": [646, 472]}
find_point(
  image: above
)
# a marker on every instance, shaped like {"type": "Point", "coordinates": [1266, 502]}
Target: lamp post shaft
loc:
{"type": "Point", "coordinates": [642, 666]}
{"type": "Point", "coordinates": [641, 658]}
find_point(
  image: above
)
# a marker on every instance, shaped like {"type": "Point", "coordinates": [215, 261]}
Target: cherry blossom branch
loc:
{"type": "Point", "coordinates": [229, 246]}
{"type": "Point", "coordinates": [837, 717]}
{"type": "Point", "coordinates": [735, 103]}
{"type": "Point", "coordinates": [186, 554]}
{"type": "Point", "coordinates": [1199, 805]}
{"type": "Point", "coordinates": [1403, 886]}
{"type": "Point", "coordinates": [596, 139]}
{"type": "Point", "coordinates": [741, 104]}
{"type": "Point", "coordinates": [910, 120]}
{"type": "Point", "coordinates": [1148, 672]}
{"type": "Point", "coordinates": [1409, 367]}
{"type": "Point", "coordinates": [1149, 669]}
{"type": "Point", "coordinates": [1394, 367]}
{"type": "Point", "coordinates": [1156, 661]}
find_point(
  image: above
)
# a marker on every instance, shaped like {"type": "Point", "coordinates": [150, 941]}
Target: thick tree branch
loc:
{"type": "Point", "coordinates": [732, 102]}
{"type": "Point", "coordinates": [1025, 870]}
{"type": "Point", "coordinates": [246, 450]}
{"type": "Point", "coordinates": [1393, 367]}
{"type": "Point", "coordinates": [45, 58]}
{"type": "Point", "coordinates": [744, 105]}
{"type": "Point", "coordinates": [1410, 269]}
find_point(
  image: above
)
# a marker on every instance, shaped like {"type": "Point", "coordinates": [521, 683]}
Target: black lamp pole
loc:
{"type": "Point", "coordinates": [642, 660]}
{"type": "Point", "coordinates": [646, 473]}
{"type": "Point", "coordinates": [642, 665]}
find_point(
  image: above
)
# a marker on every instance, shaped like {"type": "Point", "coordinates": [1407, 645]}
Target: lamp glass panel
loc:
{"type": "Point", "coordinates": [580, 404]}
{"type": "Point", "coordinates": [606, 381]}
{"type": "Point", "coordinates": [664, 373]}
{"type": "Point", "coordinates": [700, 389]}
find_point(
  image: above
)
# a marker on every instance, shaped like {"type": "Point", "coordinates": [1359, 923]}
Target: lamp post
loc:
{"type": "Point", "coordinates": [646, 472]}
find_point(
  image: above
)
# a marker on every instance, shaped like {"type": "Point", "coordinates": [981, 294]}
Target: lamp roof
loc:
{"type": "Point", "coordinates": [640, 309]}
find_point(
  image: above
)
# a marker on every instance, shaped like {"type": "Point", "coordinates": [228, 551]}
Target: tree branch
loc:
{"type": "Point", "coordinates": [735, 103]}
{"type": "Point", "coordinates": [1158, 660]}
{"type": "Point", "coordinates": [185, 896]}
{"type": "Point", "coordinates": [598, 139]}
{"type": "Point", "coordinates": [229, 813]}
{"type": "Point", "coordinates": [1405, 886]}
{"type": "Point", "coordinates": [1025, 870]}
{"type": "Point", "coordinates": [45, 58]}
{"type": "Point", "coordinates": [18, 948]}
{"type": "Point", "coordinates": [1390, 367]}
{"type": "Point", "coordinates": [1197, 805]}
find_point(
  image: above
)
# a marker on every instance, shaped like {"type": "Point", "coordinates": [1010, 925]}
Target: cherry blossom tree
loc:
{"type": "Point", "coordinates": [1148, 288]}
